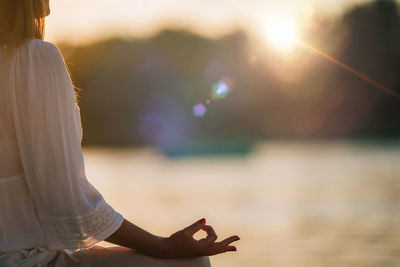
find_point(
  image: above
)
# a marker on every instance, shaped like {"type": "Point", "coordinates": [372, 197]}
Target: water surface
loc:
{"type": "Point", "coordinates": [292, 204]}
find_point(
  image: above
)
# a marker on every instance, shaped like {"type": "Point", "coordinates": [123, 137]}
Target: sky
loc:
{"type": "Point", "coordinates": [77, 21]}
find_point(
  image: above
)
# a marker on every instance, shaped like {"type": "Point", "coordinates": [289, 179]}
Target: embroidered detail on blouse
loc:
{"type": "Point", "coordinates": [81, 229]}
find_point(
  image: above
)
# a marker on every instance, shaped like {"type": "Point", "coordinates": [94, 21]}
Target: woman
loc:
{"type": "Point", "coordinates": [50, 215]}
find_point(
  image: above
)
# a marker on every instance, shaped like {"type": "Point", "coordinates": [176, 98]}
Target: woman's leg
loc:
{"type": "Point", "coordinates": [121, 257]}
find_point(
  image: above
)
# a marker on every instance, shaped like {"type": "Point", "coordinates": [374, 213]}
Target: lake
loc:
{"type": "Point", "coordinates": [292, 203]}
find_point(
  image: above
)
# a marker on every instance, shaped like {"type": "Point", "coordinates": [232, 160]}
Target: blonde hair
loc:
{"type": "Point", "coordinates": [21, 20]}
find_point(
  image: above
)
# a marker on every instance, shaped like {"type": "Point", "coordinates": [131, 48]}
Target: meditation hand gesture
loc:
{"type": "Point", "coordinates": [179, 245]}
{"type": "Point", "coordinates": [182, 244]}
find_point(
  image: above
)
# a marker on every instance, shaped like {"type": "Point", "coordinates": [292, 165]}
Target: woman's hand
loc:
{"type": "Point", "coordinates": [179, 245]}
{"type": "Point", "coordinates": [182, 244]}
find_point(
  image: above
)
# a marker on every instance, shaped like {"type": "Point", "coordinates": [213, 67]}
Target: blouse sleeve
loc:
{"type": "Point", "coordinates": [72, 213]}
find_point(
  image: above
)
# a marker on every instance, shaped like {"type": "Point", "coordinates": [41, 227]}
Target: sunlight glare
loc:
{"type": "Point", "coordinates": [282, 33]}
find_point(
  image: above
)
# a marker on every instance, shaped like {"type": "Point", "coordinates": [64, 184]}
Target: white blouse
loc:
{"type": "Point", "coordinates": [45, 199]}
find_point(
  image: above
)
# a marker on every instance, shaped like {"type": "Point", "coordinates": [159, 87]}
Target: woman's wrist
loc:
{"type": "Point", "coordinates": [163, 248]}
{"type": "Point", "coordinates": [159, 248]}
{"type": "Point", "coordinates": [134, 237]}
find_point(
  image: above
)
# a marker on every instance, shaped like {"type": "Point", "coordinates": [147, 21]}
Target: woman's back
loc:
{"type": "Point", "coordinates": [10, 165]}
{"type": "Point", "coordinates": [45, 198]}
{"type": "Point", "coordinates": [18, 222]}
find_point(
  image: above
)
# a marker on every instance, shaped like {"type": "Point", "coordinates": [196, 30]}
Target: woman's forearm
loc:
{"type": "Point", "coordinates": [134, 237]}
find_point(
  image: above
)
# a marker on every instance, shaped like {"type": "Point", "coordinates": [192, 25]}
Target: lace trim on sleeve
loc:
{"type": "Point", "coordinates": [82, 233]}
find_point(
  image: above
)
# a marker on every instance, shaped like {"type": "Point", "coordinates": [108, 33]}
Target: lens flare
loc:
{"type": "Point", "coordinates": [220, 90]}
{"type": "Point", "coordinates": [346, 67]}
{"type": "Point", "coordinates": [199, 110]}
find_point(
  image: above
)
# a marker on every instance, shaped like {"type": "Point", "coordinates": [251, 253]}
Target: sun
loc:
{"type": "Point", "coordinates": [281, 32]}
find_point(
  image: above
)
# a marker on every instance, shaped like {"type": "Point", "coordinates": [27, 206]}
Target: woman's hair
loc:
{"type": "Point", "coordinates": [21, 20]}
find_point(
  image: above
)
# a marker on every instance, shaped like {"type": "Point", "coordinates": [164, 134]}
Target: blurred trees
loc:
{"type": "Point", "coordinates": [142, 91]}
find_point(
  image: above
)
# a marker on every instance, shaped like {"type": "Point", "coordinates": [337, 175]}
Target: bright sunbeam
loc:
{"type": "Point", "coordinates": [281, 32]}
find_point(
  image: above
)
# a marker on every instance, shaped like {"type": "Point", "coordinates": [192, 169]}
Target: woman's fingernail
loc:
{"type": "Point", "coordinates": [233, 249]}
{"type": "Point", "coordinates": [202, 220]}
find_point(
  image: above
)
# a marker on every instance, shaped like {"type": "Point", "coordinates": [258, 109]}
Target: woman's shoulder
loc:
{"type": "Point", "coordinates": [39, 44]}
{"type": "Point", "coordinates": [39, 50]}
